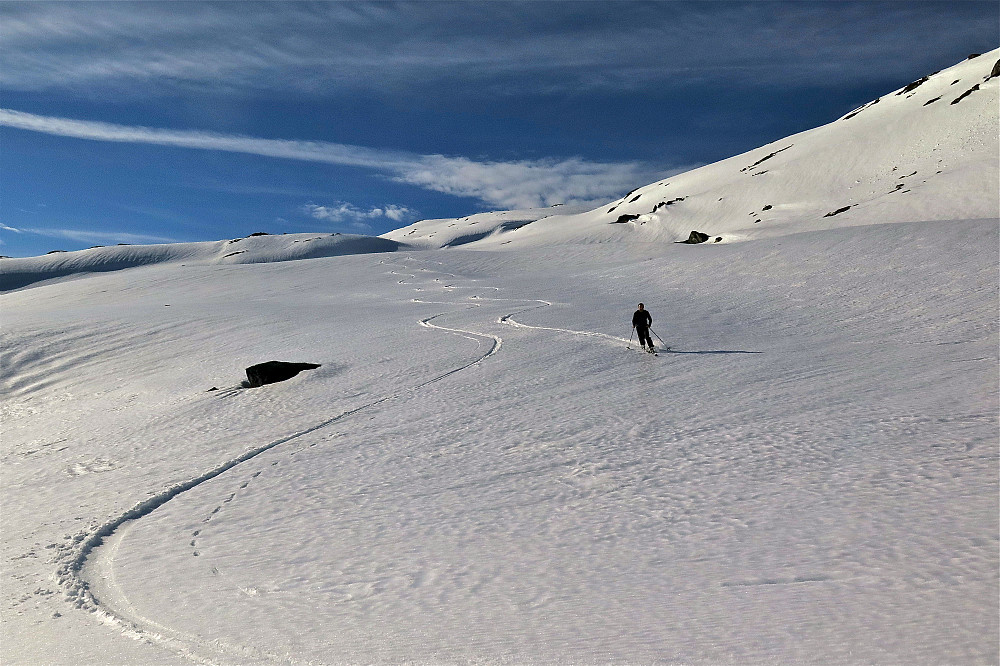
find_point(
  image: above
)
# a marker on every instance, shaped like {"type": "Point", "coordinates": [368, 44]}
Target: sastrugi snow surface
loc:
{"type": "Point", "coordinates": [481, 470]}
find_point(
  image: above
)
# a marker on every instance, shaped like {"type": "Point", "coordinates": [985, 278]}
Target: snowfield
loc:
{"type": "Point", "coordinates": [482, 471]}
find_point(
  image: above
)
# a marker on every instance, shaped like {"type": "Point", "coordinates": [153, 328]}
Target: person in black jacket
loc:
{"type": "Point", "coordinates": [641, 321]}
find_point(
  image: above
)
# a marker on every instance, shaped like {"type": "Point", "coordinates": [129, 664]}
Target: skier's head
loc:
{"type": "Point", "coordinates": [641, 306]}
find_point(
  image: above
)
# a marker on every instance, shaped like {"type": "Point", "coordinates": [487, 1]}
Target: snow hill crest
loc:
{"type": "Point", "coordinates": [926, 151]}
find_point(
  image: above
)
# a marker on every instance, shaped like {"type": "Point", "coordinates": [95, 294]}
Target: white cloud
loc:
{"type": "Point", "coordinates": [343, 211]}
{"type": "Point", "coordinates": [4, 227]}
{"type": "Point", "coordinates": [517, 184]}
{"type": "Point", "coordinates": [394, 212]}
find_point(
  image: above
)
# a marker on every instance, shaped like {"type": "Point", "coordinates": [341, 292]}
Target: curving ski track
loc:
{"type": "Point", "coordinates": [509, 320]}
{"type": "Point", "coordinates": [72, 574]}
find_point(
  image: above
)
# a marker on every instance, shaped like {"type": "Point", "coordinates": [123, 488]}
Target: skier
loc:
{"type": "Point", "coordinates": [641, 321]}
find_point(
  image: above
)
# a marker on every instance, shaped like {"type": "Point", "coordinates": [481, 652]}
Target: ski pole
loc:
{"type": "Point", "coordinates": [629, 345]}
{"type": "Point", "coordinates": [658, 337]}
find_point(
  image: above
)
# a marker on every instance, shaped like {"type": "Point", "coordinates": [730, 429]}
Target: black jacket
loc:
{"type": "Point", "coordinates": [642, 319]}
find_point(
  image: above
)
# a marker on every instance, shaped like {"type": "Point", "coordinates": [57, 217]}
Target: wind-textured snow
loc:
{"type": "Point", "coordinates": [482, 471]}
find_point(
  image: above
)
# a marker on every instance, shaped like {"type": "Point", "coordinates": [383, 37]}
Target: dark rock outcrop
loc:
{"type": "Point", "coordinates": [838, 211]}
{"type": "Point", "coordinates": [667, 203]}
{"type": "Point", "coordinates": [996, 70]}
{"type": "Point", "coordinates": [275, 371]}
{"type": "Point", "coordinates": [625, 218]}
{"type": "Point", "coordinates": [766, 157]}
{"type": "Point", "coordinates": [965, 94]}
{"type": "Point", "coordinates": [913, 86]}
{"type": "Point", "coordinates": [695, 238]}
{"type": "Point", "coordinates": [862, 108]}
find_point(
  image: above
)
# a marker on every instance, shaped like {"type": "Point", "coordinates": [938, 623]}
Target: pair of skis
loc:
{"type": "Point", "coordinates": [654, 352]}
{"type": "Point", "coordinates": [651, 350]}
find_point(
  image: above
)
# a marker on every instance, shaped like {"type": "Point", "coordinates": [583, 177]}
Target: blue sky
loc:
{"type": "Point", "coordinates": [162, 122]}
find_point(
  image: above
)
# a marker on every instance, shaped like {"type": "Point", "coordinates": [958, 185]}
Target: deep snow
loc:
{"type": "Point", "coordinates": [481, 471]}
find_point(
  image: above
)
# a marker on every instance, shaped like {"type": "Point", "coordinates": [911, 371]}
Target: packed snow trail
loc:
{"type": "Point", "coordinates": [510, 321]}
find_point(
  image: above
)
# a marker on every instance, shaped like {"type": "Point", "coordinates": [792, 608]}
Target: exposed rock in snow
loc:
{"type": "Point", "coordinates": [695, 238]}
{"type": "Point", "coordinates": [913, 86]}
{"type": "Point", "coordinates": [965, 94]}
{"type": "Point", "coordinates": [272, 372]}
{"type": "Point", "coordinates": [843, 209]}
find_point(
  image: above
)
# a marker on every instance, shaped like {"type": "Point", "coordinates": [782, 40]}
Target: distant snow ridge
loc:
{"type": "Point", "coordinates": [927, 151]}
{"type": "Point", "coordinates": [254, 249]}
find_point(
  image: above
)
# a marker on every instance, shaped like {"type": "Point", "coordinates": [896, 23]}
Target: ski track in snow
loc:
{"type": "Point", "coordinates": [510, 321]}
{"type": "Point", "coordinates": [91, 566]}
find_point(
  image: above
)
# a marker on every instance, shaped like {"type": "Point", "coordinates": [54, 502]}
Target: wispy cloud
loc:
{"type": "Point", "coordinates": [512, 47]}
{"type": "Point", "coordinates": [511, 184]}
{"type": "Point", "coordinates": [87, 236]}
{"type": "Point", "coordinates": [101, 237]}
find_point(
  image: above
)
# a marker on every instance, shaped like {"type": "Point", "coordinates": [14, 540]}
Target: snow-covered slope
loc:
{"type": "Point", "coordinates": [481, 472]}
{"type": "Point", "coordinates": [262, 248]}
{"type": "Point", "coordinates": [448, 232]}
{"type": "Point", "coordinates": [928, 151]}
{"type": "Point", "coordinates": [485, 470]}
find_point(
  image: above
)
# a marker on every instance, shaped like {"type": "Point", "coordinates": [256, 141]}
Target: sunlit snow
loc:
{"type": "Point", "coordinates": [482, 471]}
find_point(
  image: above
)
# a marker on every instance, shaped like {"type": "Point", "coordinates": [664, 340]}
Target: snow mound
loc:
{"type": "Point", "coordinates": [451, 232]}
{"type": "Point", "coordinates": [927, 151]}
{"type": "Point", "coordinates": [17, 273]}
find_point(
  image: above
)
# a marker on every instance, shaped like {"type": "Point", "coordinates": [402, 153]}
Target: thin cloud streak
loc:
{"type": "Point", "coordinates": [506, 47]}
{"type": "Point", "coordinates": [516, 184]}
{"type": "Point", "coordinates": [103, 237]}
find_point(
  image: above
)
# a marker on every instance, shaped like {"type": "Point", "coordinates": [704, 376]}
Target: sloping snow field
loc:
{"type": "Point", "coordinates": [482, 471]}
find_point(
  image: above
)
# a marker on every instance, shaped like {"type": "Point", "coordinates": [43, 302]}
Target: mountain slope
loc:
{"type": "Point", "coordinates": [928, 151]}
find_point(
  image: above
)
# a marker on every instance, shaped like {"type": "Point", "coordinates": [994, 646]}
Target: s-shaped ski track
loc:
{"type": "Point", "coordinates": [87, 570]}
